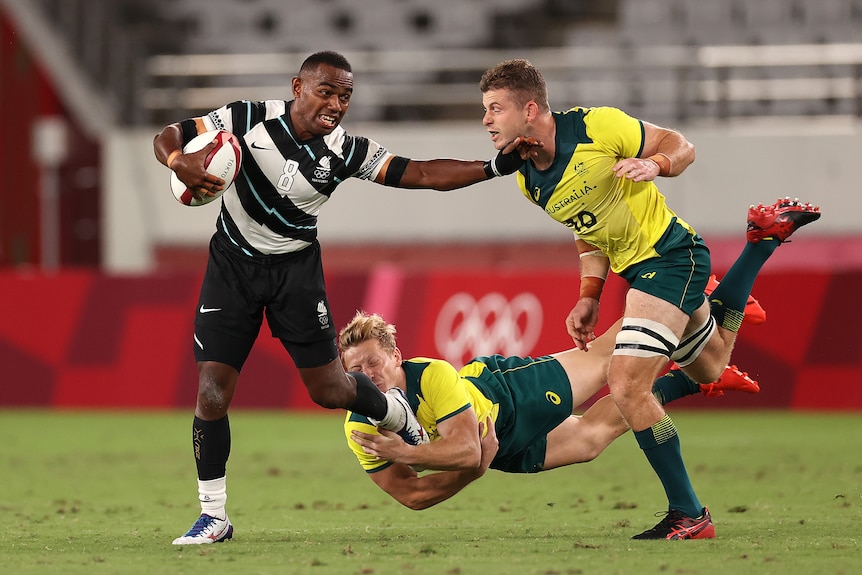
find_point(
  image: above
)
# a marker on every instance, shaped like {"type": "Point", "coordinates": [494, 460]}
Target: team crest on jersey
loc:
{"type": "Point", "coordinates": [580, 170]}
{"type": "Point", "coordinates": [322, 315]}
{"type": "Point", "coordinates": [323, 170]}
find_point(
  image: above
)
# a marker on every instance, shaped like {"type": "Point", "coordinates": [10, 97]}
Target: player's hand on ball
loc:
{"type": "Point", "coordinates": [191, 171]}
{"type": "Point", "coordinates": [207, 166]}
{"type": "Point", "coordinates": [388, 445]}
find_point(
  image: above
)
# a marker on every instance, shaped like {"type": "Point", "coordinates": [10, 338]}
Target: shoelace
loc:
{"type": "Point", "coordinates": [203, 522]}
{"type": "Point", "coordinates": [670, 517]}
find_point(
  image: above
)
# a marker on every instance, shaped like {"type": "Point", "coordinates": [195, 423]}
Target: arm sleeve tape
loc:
{"type": "Point", "coordinates": [395, 170]}
{"type": "Point", "coordinates": [189, 130]}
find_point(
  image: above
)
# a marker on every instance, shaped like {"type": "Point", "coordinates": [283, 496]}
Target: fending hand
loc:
{"type": "Point", "coordinates": [528, 147]}
{"type": "Point", "coordinates": [581, 322]}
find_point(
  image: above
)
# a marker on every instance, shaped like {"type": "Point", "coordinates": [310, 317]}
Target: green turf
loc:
{"type": "Point", "coordinates": [105, 493]}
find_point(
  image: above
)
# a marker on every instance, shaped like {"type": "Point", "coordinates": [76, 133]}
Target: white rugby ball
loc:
{"type": "Point", "coordinates": [223, 161]}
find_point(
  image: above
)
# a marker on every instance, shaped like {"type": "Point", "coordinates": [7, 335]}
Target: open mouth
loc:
{"type": "Point", "coordinates": [330, 121]}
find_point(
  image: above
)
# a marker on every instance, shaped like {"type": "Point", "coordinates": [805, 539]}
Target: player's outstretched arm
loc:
{"type": "Point", "coordinates": [421, 492]}
{"type": "Point", "coordinates": [449, 174]}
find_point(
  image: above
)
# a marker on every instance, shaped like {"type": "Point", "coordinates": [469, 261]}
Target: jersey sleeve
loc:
{"type": "Point", "coordinates": [370, 463]}
{"type": "Point", "coordinates": [219, 119]}
{"type": "Point", "coordinates": [444, 393]}
{"type": "Point", "coordinates": [236, 117]}
{"type": "Point", "coordinates": [615, 131]}
{"type": "Point", "coordinates": [365, 156]}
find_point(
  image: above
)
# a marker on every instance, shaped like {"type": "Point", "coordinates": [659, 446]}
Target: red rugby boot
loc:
{"type": "Point", "coordinates": [732, 379]}
{"type": "Point", "coordinates": [675, 525]}
{"type": "Point", "coordinates": [779, 220]}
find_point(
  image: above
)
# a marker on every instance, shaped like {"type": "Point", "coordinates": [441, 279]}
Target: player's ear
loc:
{"type": "Point", "coordinates": [532, 110]}
{"type": "Point", "coordinates": [396, 354]}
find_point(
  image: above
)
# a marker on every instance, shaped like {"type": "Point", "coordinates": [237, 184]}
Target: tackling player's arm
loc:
{"type": "Point", "coordinates": [421, 492]}
{"type": "Point", "coordinates": [168, 148]}
{"type": "Point", "coordinates": [458, 446]}
{"type": "Point", "coordinates": [449, 174]}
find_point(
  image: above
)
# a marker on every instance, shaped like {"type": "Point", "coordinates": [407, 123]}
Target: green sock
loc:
{"type": "Point", "coordinates": [728, 301]}
{"type": "Point", "coordinates": [660, 444]}
{"type": "Point", "coordinates": [673, 385]}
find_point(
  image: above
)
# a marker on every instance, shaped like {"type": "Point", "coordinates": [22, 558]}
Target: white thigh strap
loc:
{"type": "Point", "coordinates": [691, 346]}
{"type": "Point", "coordinates": [645, 338]}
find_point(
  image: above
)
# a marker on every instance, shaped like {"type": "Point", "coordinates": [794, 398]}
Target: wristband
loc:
{"type": "Point", "coordinates": [663, 162]}
{"type": "Point", "coordinates": [591, 287]}
{"type": "Point", "coordinates": [173, 156]}
{"type": "Point", "coordinates": [488, 166]}
{"type": "Point", "coordinates": [503, 164]}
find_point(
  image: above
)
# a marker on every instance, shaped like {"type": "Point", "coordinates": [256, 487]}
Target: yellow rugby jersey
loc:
{"type": "Point", "coordinates": [436, 391]}
{"type": "Point", "coordinates": [622, 218]}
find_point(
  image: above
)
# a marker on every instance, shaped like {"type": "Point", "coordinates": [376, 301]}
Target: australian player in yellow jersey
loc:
{"type": "Point", "coordinates": [514, 414]}
{"type": "Point", "coordinates": [595, 174]}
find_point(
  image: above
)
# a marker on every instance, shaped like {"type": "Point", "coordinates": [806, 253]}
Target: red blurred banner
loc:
{"type": "Point", "coordinates": [84, 340]}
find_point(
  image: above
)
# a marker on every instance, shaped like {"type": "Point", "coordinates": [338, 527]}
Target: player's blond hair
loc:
{"type": "Point", "coordinates": [366, 326]}
{"type": "Point", "coordinates": [521, 78]}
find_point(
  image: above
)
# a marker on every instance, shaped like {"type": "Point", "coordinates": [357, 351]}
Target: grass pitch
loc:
{"type": "Point", "coordinates": [105, 493]}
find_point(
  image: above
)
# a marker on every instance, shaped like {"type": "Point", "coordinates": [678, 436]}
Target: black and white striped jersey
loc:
{"type": "Point", "coordinates": [272, 206]}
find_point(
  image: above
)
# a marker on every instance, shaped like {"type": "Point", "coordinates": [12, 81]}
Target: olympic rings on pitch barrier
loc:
{"type": "Point", "coordinates": [466, 328]}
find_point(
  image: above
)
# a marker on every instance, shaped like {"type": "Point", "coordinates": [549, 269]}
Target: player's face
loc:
{"type": "Point", "coordinates": [382, 367]}
{"type": "Point", "coordinates": [321, 98]}
{"type": "Point", "coordinates": [505, 119]}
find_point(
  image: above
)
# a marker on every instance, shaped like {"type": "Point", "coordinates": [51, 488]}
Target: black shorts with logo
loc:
{"type": "Point", "coordinates": [237, 289]}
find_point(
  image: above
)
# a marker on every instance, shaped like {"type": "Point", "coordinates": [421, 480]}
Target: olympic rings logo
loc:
{"type": "Point", "coordinates": [467, 328]}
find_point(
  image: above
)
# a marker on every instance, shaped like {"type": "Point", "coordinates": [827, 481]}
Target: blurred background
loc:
{"type": "Point", "coordinates": [100, 266]}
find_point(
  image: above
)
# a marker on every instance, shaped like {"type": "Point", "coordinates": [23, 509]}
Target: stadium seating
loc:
{"type": "Point", "coordinates": [127, 34]}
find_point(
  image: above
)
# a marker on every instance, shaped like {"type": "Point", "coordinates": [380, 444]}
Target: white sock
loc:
{"type": "Point", "coordinates": [213, 496]}
{"type": "Point", "coordinates": [396, 417]}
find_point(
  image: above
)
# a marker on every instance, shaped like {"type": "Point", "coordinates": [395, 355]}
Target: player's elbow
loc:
{"type": "Point", "coordinates": [419, 505]}
{"type": "Point", "coordinates": [416, 502]}
{"type": "Point", "coordinates": [471, 459]}
{"type": "Point", "coordinates": [476, 461]}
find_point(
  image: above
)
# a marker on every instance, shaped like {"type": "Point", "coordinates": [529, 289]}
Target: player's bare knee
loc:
{"type": "Point", "coordinates": [327, 399]}
{"type": "Point", "coordinates": [629, 394]}
{"type": "Point", "coordinates": [214, 396]}
{"type": "Point", "coordinates": [332, 395]}
{"type": "Point", "coordinates": [642, 347]}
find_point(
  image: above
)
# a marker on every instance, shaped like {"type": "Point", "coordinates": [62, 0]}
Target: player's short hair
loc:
{"type": "Point", "coordinates": [521, 78]}
{"type": "Point", "coordinates": [367, 326]}
{"type": "Point", "coordinates": [328, 57]}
